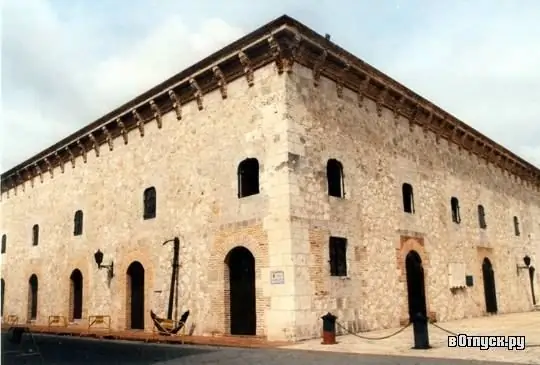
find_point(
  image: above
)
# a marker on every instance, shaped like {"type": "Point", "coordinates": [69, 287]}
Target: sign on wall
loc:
{"type": "Point", "coordinates": [277, 277]}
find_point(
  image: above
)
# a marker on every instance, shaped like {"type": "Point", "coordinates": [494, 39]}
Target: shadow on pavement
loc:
{"type": "Point", "coordinates": [49, 349]}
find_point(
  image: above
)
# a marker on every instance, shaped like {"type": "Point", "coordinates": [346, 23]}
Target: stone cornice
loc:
{"type": "Point", "coordinates": [282, 41]}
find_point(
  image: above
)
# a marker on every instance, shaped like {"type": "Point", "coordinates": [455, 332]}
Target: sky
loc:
{"type": "Point", "coordinates": [65, 63]}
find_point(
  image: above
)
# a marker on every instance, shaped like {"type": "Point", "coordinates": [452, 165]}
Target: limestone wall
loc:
{"type": "Point", "coordinates": [379, 154]}
{"type": "Point", "coordinates": [192, 163]}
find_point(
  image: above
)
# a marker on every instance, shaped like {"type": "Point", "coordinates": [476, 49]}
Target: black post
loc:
{"type": "Point", "coordinates": [531, 279]}
{"type": "Point", "coordinates": [329, 329]}
{"type": "Point", "coordinates": [173, 275]}
{"type": "Point", "coordinates": [420, 331]}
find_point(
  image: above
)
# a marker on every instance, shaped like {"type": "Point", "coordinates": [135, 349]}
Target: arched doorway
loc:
{"type": "Point", "coordinates": [32, 297]}
{"type": "Point", "coordinates": [416, 290]}
{"type": "Point", "coordinates": [490, 291]}
{"type": "Point", "coordinates": [3, 293]}
{"type": "Point", "coordinates": [135, 295]}
{"type": "Point", "coordinates": [243, 316]}
{"type": "Point", "coordinates": [75, 295]}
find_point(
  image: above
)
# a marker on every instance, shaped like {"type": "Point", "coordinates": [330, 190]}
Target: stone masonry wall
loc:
{"type": "Point", "coordinates": [192, 163]}
{"type": "Point", "coordinates": [379, 154]}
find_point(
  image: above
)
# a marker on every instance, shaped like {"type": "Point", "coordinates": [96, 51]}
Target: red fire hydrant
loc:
{"type": "Point", "coordinates": [329, 329]}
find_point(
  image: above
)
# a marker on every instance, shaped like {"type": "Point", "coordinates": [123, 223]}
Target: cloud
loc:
{"type": "Point", "coordinates": [56, 77]}
{"type": "Point", "coordinates": [64, 66]}
{"type": "Point", "coordinates": [485, 70]}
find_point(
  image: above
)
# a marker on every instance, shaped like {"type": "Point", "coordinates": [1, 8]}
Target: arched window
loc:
{"type": "Point", "coordinates": [334, 176]}
{"type": "Point", "coordinates": [248, 177]}
{"type": "Point", "coordinates": [482, 217]}
{"type": "Point", "coordinates": [78, 223]}
{"type": "Point", "coordinates": [149, 203]}
{"type": "Point", "coordinates": [408, 198]}
{"type": "Point", "coordinates": [454, 203]}
{"type": "Point", "coordinates": [35, 235]}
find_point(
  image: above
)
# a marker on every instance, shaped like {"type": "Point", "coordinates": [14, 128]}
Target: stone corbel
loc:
{"type": "Point", "coordinates": [318, 67]}
{"type": "Point", "coordinates": [399, 106]}
{"type": "Point", "coordinates": [8, 185]}
{"type": "Point", "coordinates": [293, 50]}
{"type": "Point", "coordinates": [60, 161]}
{"type": "Point", "coordinates": [95, 143]}
{"type": "Point", "coordinates": [21, 180]}
{"type": "Point", "coordinates": [277, 53]}
{"type": "Point", "coordinates": [341, 80]}
{"type": "Point", "coordinates": [157, 113]}
{"type": "Point", "coordinates": [39, 172]}
{"type": "Point", "coordinates": [381, 100]}
{"type": "Point", "coordinates": [413, 119]}
{"type": "Point", "coordinates": [49, 166]}
{"type": "Point", "coordinates": [176, 104]}
{"type": "Point", "coordinates": [197, 93]}
{"type": "Point", "coordinates": [138, 121]}
{"type": "Point", "coordinates": [123, 130]}
{"type": "Point", "coordinates": [108, 137]}
{"type": "Point", "coordinates": [248, 69]}
{"type": "Point", "coordinates": [221, 81]}
{"type": "Point", "coordinates": [83, 150]}
{"type": "Point", "coordinates": [362, 90]}
{"type": "Point", "coordinates": [71, 157]}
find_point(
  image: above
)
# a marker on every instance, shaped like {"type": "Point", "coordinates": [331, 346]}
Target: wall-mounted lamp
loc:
{"type": "Point", "coordinates": [98, 257]}
{"type": "Point", "coordinates": [526, 261]}
{"type": "Point", "coordinates": [530, 269]}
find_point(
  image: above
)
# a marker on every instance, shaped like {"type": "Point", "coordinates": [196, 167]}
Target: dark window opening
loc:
{"type": "Point", "coordinates": [482, 217]}
{"type": "Point", "coordinates": [334, 176]}
{"type": "Point", "coordinates": [4, 243]}
{"type": "Point", "coordinates": [32, 297]}
{"type": "Point", "coordinates": [516, 226]}
{"type": "Point", "coordinates": [408, 198]}
{"type": "Point", "coordinates": [78, 223]}
{"type": "Point", "coordinates": [338, 256]}
{"type": "Point", "coordinates": [35, 235]}
{"type": "Point", "coordinates": [454, 202]}
{"type": "Point", "coordinates": [248, 177]}
{"type": "Point", "coordinates": [149, 203]}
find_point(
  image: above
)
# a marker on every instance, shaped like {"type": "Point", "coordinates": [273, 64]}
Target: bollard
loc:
{"type": "Point", "coordinates": [420, 331]}
{"type": "Point", "coordinates": [329, 329]}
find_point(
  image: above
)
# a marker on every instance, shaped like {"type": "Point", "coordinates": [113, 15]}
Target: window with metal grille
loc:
{"type": "Point", "coordinates": [338, 256]}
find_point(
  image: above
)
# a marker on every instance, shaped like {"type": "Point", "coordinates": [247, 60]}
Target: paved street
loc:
{"type": "Point", "coordinates": [57, 350]}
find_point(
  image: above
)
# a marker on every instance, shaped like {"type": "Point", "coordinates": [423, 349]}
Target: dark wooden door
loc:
{"type": "Point", "coordinates": [415, 284]}
{"type": "Point", "coordinates": [490, 291]}
{"type": "Point", "coordinates": [136, 276]}
{"type": "Point", "coordinates": [242, 292]}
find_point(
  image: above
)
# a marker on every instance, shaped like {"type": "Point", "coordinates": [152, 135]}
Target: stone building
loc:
{"type": "Point", "coordinates": [299, 179]}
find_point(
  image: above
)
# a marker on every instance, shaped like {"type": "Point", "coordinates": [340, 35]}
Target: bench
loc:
{"type": "Point", "coordinates": [57, 321]}
{"type": "Point", "coordinates": [102, 322]}
{"type": "Point", "coordinates": [12, 320]}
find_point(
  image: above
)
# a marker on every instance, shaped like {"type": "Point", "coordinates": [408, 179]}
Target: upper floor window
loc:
{"type": "Point", "coordinates": [454, 203]}
{"type": "Point", "coordinates": [338, 256]}
{"type": "Point", "coordinates": [334, 176]}
{"type": "Point", "coordinates": [248, 177]}
{"type": "Point", "coordinates": [408, 198]}
{"type": "Point", "coordinates": [149, 209]}
{"type": "Point", "coordinates": [78, 223]}
{"type": "Point", "coordinates": [516, 226]}
{"type": "Point", "coordinates": [35, 235]}
{"type": "Point", "coordinates": [4, 243]}
{"type": "Point", "coordinates": [482, 217]}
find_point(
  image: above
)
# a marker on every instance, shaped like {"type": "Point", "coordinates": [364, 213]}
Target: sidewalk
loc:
{"type": "Point", "coordinates": [134, 335]}
{"type": "Point", "coordinates": [516, 324]}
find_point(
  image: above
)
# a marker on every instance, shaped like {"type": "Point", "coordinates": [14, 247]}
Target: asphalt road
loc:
{"type": "Point", "coordinates": [56, 350]}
